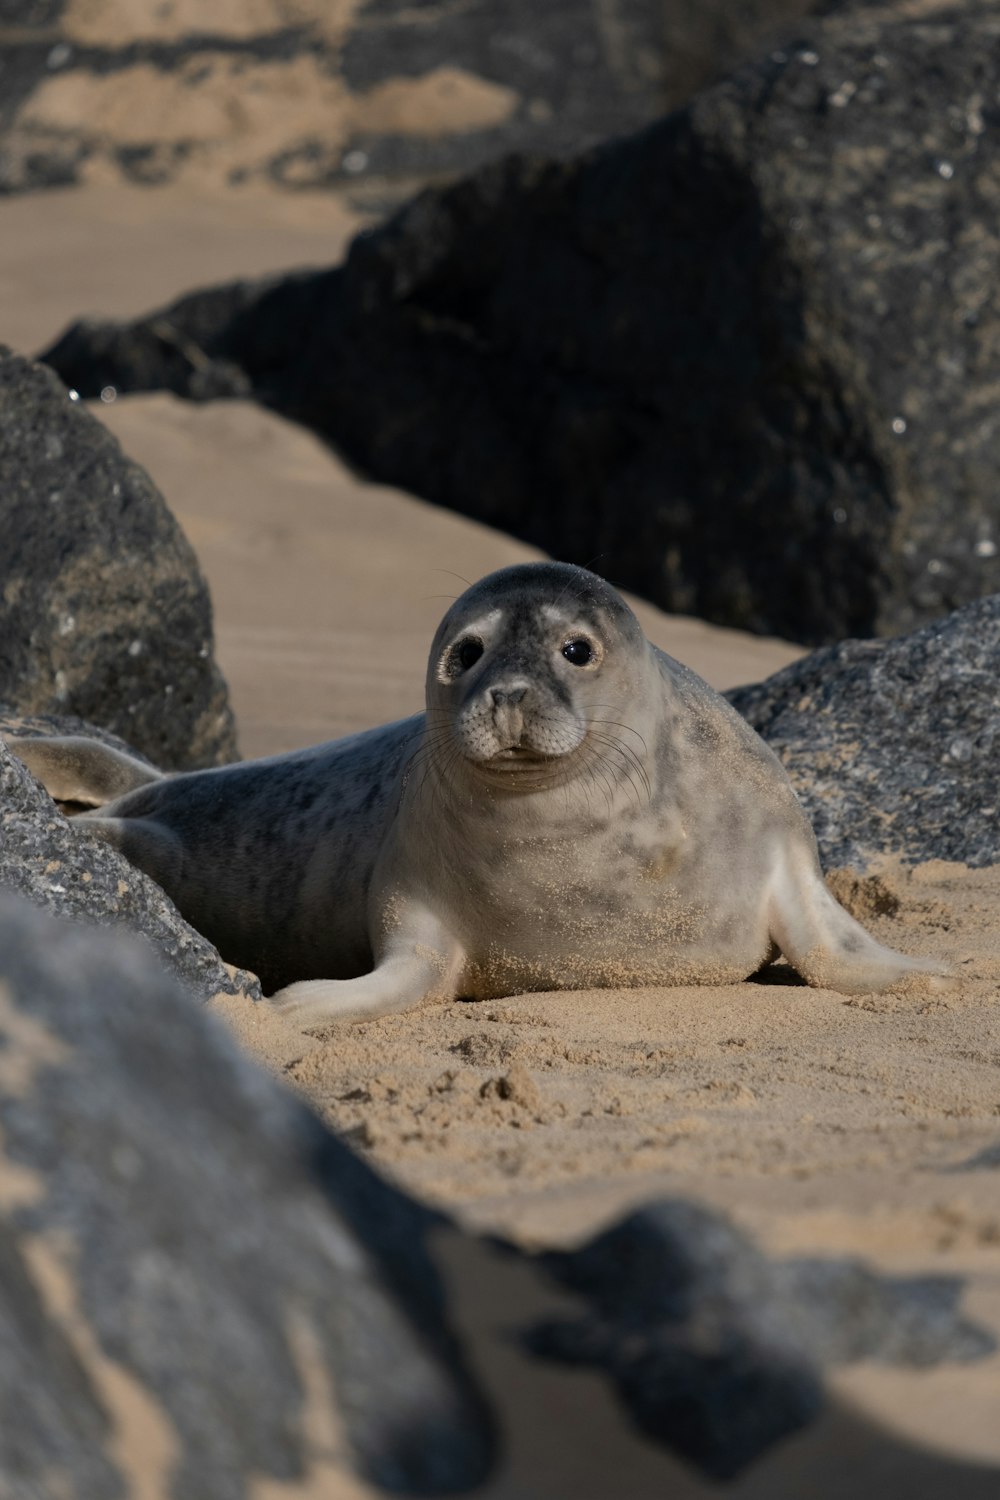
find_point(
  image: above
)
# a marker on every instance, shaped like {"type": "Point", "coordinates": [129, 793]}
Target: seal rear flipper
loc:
{"type": "Point", "coordinates": [80, 771]}
{"type": "Point", "coordinates": [828, 947]}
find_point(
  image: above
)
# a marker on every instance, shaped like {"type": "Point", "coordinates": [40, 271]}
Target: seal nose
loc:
{"type": "Point", "coordinates": [507, 697]}
{"type": "Point", "coordinates": [504, 697]}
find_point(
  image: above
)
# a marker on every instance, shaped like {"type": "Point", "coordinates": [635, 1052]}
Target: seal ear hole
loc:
{"type": "Point", "coordinates": [579, 652]}
{"type": "Point", "coordinates": [464, 654]}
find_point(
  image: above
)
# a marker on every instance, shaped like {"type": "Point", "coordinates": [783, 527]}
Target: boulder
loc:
{"type": "Point", "coordinates": [715, 1349]}
{"type": "Point", "coordinates": [741, 361]}
{"type": "Point", "coordinates": [203, 1289]}
{"type": "Point", "coordinates": [104, 613]}
{"type": "Point", "coordinates": [894, 746]}
{"type": "Point", "coordinates": [56, 866]}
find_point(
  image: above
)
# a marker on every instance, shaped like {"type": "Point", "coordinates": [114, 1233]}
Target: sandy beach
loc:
{"type": "Point", "coordinates": [822, 1124]}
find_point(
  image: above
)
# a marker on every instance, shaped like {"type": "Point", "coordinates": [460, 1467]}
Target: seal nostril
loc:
{"type": "Point", "coordinates": [505, 695]}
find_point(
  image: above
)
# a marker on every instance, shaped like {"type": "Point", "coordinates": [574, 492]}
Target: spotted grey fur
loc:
{"type": "Point", "coordinates": [575, 809]}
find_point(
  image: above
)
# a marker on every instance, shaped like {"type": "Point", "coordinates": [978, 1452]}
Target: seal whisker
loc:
{"type": "Point", "coordinates": [619, 725]}
{"type": "Point", "coordinates": [620, 771]}
{"type": "Point", "coordinates": [593, 762]}
{"type": "Point", "coordinates": [630, 758]}
{"type": "Point", "coordinates": [452, 574]}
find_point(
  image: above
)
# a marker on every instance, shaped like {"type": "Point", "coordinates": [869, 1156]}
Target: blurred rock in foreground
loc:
{"type": "Point", "coordinates": [202, 1287]}
{"type": "Point", "coordinates": [716, 1349]}
{"type": "Point", "coordinates": [58, 867]}
{"type": "Point", "coordinates": [894, 746]}
{"type": "Point", "coordinates": [741, 362]}
{"type": "Point", "coordinates": [104, 613]}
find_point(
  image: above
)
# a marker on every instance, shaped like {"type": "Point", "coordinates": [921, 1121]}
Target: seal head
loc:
{"type": "Point", "coordinates": [526, 665]}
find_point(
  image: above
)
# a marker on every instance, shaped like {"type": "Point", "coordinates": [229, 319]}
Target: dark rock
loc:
{"type": "Point", "coordinates": [59, 868]}
{"type": "Point", "coordinates": [894, 746]}
{"type": "Point", "coordinates": [684, 354]}
{"type": "Point", "coordinates": [705, 39]}
{"type": "Point", "coordinates": [104, 613]}
{"type": "Point", "coordinates": [185, 1241]}
{"type": "Point", "coordinates": [740, 360]}
{"type": "Point", "coordinates": [717, 1350]}
{"type": "Point", "coordinates": [222, 342]}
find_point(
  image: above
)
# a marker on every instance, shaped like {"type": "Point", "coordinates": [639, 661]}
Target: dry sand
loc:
{"type": "Point", "coordinates": [823, 1124]}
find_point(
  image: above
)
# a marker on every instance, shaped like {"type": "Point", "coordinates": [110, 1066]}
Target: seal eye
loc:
{"type": "Point", "coordinates": [579, 652]}
{"type": "Point", "coordinates": [467, 653]}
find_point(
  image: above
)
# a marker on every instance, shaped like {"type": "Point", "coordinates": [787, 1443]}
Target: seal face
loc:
{"type": "Point", "coordinates": [514, 666]}
{"type": "Point", "coordinates": [575, 809]}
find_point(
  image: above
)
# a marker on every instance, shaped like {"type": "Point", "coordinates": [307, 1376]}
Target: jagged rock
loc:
{"type": "Point", "coordinates": [894, 746]}
{"type": "Point", "coordinates": [199, 1282]}
{"type": "Point", "coordinates": [717, 1350]}
{"type": "Point", "coordinates": [741, 359]}
{"type": "Point", "coordinates": [104, 613]}
{"type": "Point", "coordinates": [56, 866]}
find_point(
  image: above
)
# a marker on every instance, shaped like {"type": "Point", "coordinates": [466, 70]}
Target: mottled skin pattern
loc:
{"type": "Point", "coordinates": [575, 809]}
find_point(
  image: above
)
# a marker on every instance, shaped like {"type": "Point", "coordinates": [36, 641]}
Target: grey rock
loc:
{"type": "Point", "coordinates": [219, 342]}
{"type": "Point", "coordinates": [718, 1351]}
{"type": "Point", "coordinates": [177, 1220]}
{"type": "Point", "coordinates": [57, 867]}
{"type": "Point", "coordinates": [894, 746]}
{"type": "Point", "coordinates": [738, 361]}
{"type": "Point", "coordinates": [104, 613]}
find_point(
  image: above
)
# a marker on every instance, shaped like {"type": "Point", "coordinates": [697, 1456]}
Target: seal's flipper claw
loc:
{"type": "Point", "coordinates": [829, 948]}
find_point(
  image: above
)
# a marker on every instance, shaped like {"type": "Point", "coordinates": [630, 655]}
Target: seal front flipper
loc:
{"type": "Point", "coordinates": [78, 770]}
{"type": "Point", "coordinates": [420, 960]}
{"type": "Point", "coordinates": [827, 946]}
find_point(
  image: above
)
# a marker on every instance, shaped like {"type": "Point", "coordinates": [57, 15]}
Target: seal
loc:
{"type": "Point", "coordinates": [574, 810]}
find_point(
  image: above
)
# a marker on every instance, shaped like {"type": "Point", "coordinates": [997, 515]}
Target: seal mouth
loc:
{"type": "Point", "coordinates": [520, 765]}
{"type": "Point", "coordinates": [522, 755]}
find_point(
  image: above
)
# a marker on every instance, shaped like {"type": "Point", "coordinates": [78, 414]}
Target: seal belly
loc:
{"type": "Point", "coordinates": [570, 931]}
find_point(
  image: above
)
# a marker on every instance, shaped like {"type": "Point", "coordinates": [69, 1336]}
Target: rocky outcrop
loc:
{"type": "Point", "coordinates": [741, 359]}
{"type": "Point", "coordinates": [200, 1283]}
{"type": "Point", "coordinates": [894, 746]}
{"type": "Point", "coordinates": [383, 91]}
{"type": "Point", "coordinates": [104, 613]}
{"type": "Point", "coordinates": [57, 867]}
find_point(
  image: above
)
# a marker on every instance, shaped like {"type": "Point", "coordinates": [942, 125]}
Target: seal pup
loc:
{"type": "Point", "coordinates": [574, 810]}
